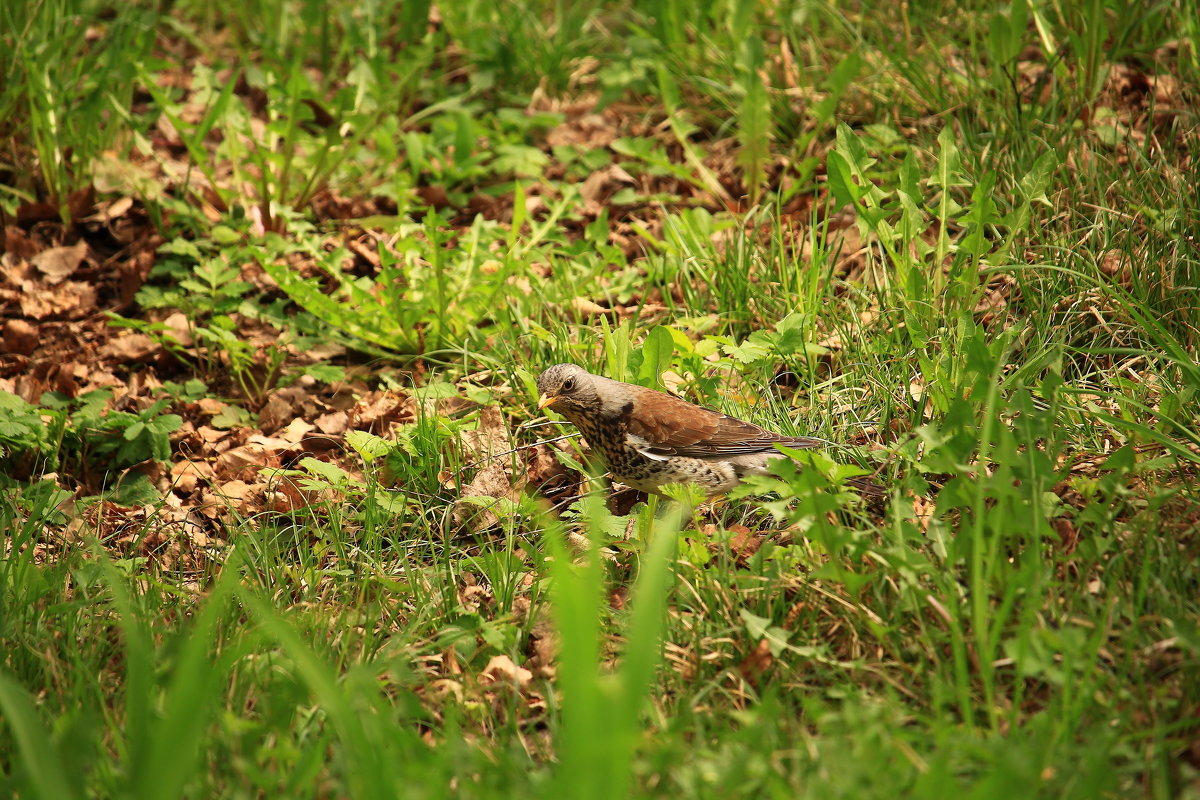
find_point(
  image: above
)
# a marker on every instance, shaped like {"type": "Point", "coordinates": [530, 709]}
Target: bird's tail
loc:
{"type": "Point", "coordinates": [802, 442]}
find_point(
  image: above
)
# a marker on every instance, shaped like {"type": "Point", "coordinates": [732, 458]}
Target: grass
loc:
{"type": "Point", "coordinates": [958, 241]}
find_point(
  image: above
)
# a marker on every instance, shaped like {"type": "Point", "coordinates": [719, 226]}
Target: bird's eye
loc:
{"type": "Point", "coordinates": [568, 385]}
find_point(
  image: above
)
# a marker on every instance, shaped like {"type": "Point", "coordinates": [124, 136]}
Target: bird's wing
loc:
{"type": "Point", "coordinates": [661, 426]}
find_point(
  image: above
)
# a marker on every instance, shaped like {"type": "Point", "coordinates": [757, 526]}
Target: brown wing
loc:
{"type": "Point", "coordinates": [669, 426]}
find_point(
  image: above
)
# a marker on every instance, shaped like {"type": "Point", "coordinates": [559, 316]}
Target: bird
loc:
{"type": "Point", "coordinates": [649, 439]}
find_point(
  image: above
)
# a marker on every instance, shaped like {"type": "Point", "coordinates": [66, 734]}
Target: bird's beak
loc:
{"type": "Point", "coordinates": [548, 400]}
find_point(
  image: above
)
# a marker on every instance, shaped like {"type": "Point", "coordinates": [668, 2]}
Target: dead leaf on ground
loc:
{"type": "Point", "coordinates": [603, 184]}
{"type": "Point", "coordinates": [744, 543]}
{"type": "Point", "coordinates": [502, 670]}
{"type": "Point", "coordinates": [57, 263]}
{"type": "Point", "coordinates": [243, 497]}
{"type": "Point", "coordinates": [590, 131]}
{"type": "Point", "coordinates": [128, 347]}
{"type": "Point", "coordinates": [923, 512]}
{"type": "Point", "coordinates": [18, 248]}
{"type": "Point", "coordinates": [758, 661]}
{"type": "Point", "coordinates": [20, 337]}
{"type": "Point", "coordinates": [588, 308]}
{"type": "Point", "coordinates": [186, 475]}
{"type": "Point", "coordinates": [296, 430]}
{"type": "Point", "coordinates": [180, 329]}
{"type": "Point", "coordinates": [334, 423]}
{"type": "Point", "coordinates": [377, 412]}
{"type": "Point", "coordinates": [495, 479]}
{"type": "Point", "coordinates": [107, 212]}
{"type": "Point", "coordinates": [1116, 265]}
{"type": "Point", "coordinates": [248, 459]}
{"type": "Point", "coordinates": [67, 300]}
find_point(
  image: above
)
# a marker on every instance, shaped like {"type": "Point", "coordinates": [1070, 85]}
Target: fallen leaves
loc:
{"type": "Point", "coordinates": [67, 300]}
{"type": "Point", "coordinates": [58, 263]}
{"type": "Point", "coordinates": [487, 445]}
{"type": "Point", "coordinates": [502, 670]}
{"type": "Point", "coordinates": [20, 337]}
{"type": "Point", "coordinates": [128, 347]}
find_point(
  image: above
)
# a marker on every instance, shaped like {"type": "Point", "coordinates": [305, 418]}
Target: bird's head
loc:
{"type": "Point", "coordinates": [569, 389]}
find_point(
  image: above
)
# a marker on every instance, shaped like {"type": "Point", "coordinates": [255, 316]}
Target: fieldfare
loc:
{"type": "Point", "coordinates": [648, 438]}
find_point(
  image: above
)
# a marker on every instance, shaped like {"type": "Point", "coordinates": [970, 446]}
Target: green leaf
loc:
{"type": "Point", "coordinates": [332, 473]}
{"type": "Point", "coordinates": [754, 127]}
{"type": "Point", "coordinates": [761, 628]}
{"type": "Point", "coordinates": [368, 446]}
{"type": "Point", "coordinates": [326, 373]}
{"type": "Point", "coordinates": [1036, 181]}
{"type": "Point", "coordinates": [165, 424]}
{"type": "Point", "coordinates": [501, 506]}
{"type": "Point", "coordinates": [755, 348]}
{"type": "Point", "coordinates": [42, 764]}
{"type": "Point", "coordinates": [135, 489]}
{"type": "Point", "coordinates": [841, 180]}
{"type": "Point", "coordinates": [655, 356]}
{"type": "Point", "coordinates": [949, 165]}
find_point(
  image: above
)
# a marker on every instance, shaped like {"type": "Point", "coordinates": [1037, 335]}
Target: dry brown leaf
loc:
{"type": "Point", "coordinates": [672, 380]}
{"type": "Point", "coordinates": [757, 662]}
{"type": "Point", "coordinates": [744, 543]}
{"type": "Point", "coordinates": [333, 423]}
{"type": "Point", "coordinates": [923, 512]}
{"type": "Point", "coordinates": [70, 299]}
{"type": "Point", "coordinates": [296, 430]}
{"type": "Point", "coordinates": [129, 346]}
{"type": "Point", "coordinates": [446, 688]}
{"type": "Point", "coordinates": [543, 648]}
{"type": "Point", "coordinates": [20, 337]}
{"type": "Point", "coordinates": [1115, 264]}
{"type": "Point", "coordinates": [211, 435]}
{"type": "Point", "coordinates": [993, 301]}
{"type": "Point", "coordinates": [234, 490]}
{"type": "Point", "coordinates": [280, 406]}
{"type": "Point", "coordinates": [115, 173]}
{"type": "Point", "coordinates": [180, 328]}
{"type": "Point", "coordinates": [185, 475]}
{"type": "Point", "coordinates": [495, 479]}
{"type": "Point", "coordinates": [603, 184]}
{"type": "Point", "coordinates": [58, 263]}
{"type": "Point", "coordinates": [285, 496]}
{"type": "Point", "coordinates": [375, 409]}
{"type": "Point", "coordinates": [589, 130]}
{"type": "Point", "coordinates": [247, 458]}
{"type": "Point", "coordinates": [18, 249]}
{"type": "Point", "coordinates": [502, 670]}
{"type": "Point", "coordinates": [588, 308]}
{"type": "Point", "coordinates": [211, 405]}
{"type": "Point", "coordinates": [107, 212]}
{"type": "Point", "coordinates": [271, 443]}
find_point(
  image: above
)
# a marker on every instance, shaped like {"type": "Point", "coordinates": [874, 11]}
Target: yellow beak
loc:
{"type": "Point", "coordinates": [548, 400]}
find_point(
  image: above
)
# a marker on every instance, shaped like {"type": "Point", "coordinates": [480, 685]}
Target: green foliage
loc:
{"type": "Point", "coordinates": [601, 712]}
{"type": "Point", "coordinates": [203, 280]}
{"type": "Point", "coordinates": [21, 427]}
{"type": "Point", "coordinates": [83, 435]}
{"type": "Point", "coordinates": [316, 124]}
{"type": "Point", "coordinates": [67, 91]}
{"type": "Point", "coordinates": [517, 46]}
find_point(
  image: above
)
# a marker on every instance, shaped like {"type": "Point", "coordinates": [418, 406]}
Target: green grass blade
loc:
{"type": "Point", "coordinates": [42, 764]}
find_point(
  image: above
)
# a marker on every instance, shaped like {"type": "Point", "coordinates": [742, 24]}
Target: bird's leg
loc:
{"type": "Point", "coordinates": [621, 501]}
